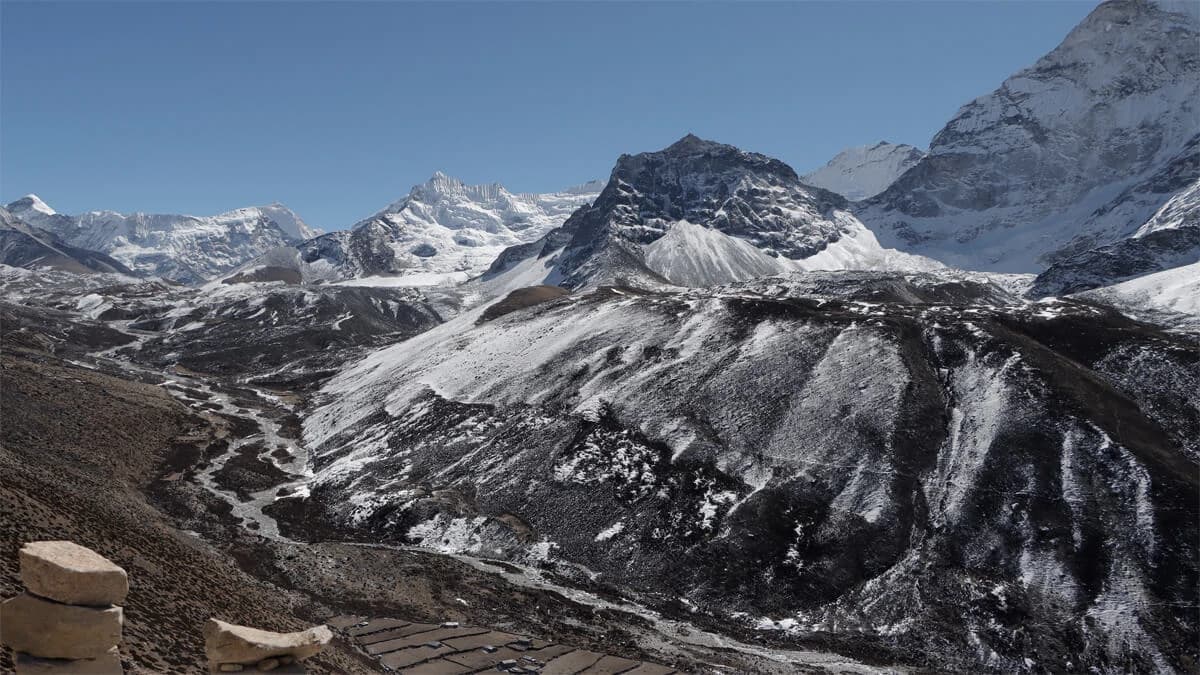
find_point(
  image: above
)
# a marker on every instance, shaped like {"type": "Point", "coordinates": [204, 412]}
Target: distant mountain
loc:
{"type": "Point", "coordinates": [22, 245]}
{"type": "Point", "coordinates": [864, 171]}
{"type": "Point", "coordinates": [700, 213]}
{"type": "Point", "coordinates": [1076, 152]}
{"type": "Point", "coordinates": [188, 249]}
{"type": "Point", "coordinates": [443, 231]}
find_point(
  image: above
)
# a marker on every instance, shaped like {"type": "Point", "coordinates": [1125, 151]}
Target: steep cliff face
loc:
{"type": "Point", "coordinates": [967, 478]}
{"type": "Point", "coordinates": [1079, 150]}
{"type": "Point", "coordinates": [443, 231]}
{"type": "Point", "coordinates": [1171, 237]}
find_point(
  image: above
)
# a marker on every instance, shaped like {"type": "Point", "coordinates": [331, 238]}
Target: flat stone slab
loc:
{"type": "Point", "coordinates": [479, 659]}
{"type": "Point", "coordinates": [376, 625]}
{"type": "Point", "coordinates": [610, 665]}
{"type": "Point", "coordinates": [393, 633]}
{"type": "Point", "coordinates": [53, 630]}
{"type": "Point", "coordinates": [64, 571]}
{"type": "Point", "coordinates": [436, 635]}
{"type": "Point", "coordinates": [439, 667]}
{"type": "Point", "coordinates": [571, 663]}
{"type": "Point", "coordinates": [650, 669]}
{"type": "Point", "coordinates": [493, 638]}
{"type": "Point", "coordinates": [345, 621]}
{"type": "Point", "coordinates": [108, 664]}
{"type": "Point", "coordinates": [414, 655]}
{"type": "Point", "coordinates": [545, 654]}
{"type": "Point", "coordinates": [230, 643]}
{"type": "Point", "coordinates": [451, 649]}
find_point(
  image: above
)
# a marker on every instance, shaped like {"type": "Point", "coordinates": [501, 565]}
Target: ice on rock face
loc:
{"type": "Point", "coordinates": [189, 249]}
{"type": "Point", "coordinates": [30, 205]}
{"type": "Point", "coordinates": [1078, 151]}
{"type": "Point", "coordinates": [443, 231]}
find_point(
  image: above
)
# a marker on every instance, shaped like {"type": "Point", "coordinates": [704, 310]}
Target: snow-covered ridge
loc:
{"type": "Point", "coordinates": [184, 248]}
{"type": "Point", "coordinates": [1170, 297]}
{"type": "Point", "coordinates": [31, 204]}
{"type": "Point", "coordinates": [864, 171]}
{"type": "Point", "coordinates": [443, 230]}
{"type": "Point", "coordinates": [699, 213]}
{"type": "Point", "coordinates": [28, 247]}
{"type": "Point", "coordinates": [1077, 151]}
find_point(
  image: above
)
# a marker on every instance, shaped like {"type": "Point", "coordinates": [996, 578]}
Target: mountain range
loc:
{"type": "Point", "coordinates": [187, 249]}
{"type": "Point", "coordinates": [937, 411]}
{"type": "Point", "coordinates": [443, 231]}
{"type": "Point", "coordinates": [1083, 168]}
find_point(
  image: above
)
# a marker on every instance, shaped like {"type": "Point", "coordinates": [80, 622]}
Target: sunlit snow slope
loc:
{"type": "Point", "coordinates": [184, 248]}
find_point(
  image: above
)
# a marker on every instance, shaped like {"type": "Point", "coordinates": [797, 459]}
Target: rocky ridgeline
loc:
{"type": "Point", "coordinates": [69, 618]}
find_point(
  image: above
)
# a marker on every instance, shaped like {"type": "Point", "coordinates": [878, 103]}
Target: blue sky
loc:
{"type": "Point", "coordinates": [337, 108]}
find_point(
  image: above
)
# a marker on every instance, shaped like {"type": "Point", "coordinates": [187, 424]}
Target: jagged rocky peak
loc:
{"type": "Point", "coordinates": [712, 184]}
{"type": "Point", "coordinates": [443, 231]}
{"type": "Point", "coordinates": [864, 171]}
{"type": "Point", "coordinates": [1062, 156]}
{"type": "Point", "coordinates": [701, 213]}
{"type": "Point", "coordinates": [30, 203]}
{"type": "Point", "coordinates": [441, 186]}
{"type": "Point", "coordinates": [184, 248]}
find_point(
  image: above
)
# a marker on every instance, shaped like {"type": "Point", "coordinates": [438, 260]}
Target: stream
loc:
{"type": "Point", "coordinates": [667, 635]}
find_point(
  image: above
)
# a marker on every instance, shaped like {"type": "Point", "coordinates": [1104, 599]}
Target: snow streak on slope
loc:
{"type": "Point", "coordinates": [864, 171]}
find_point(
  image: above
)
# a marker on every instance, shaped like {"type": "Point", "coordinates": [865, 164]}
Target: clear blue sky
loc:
{"type": "Point", "coordinates": [336, 109]}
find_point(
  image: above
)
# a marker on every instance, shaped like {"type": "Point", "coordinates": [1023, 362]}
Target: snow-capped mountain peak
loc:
{"type": "Point", "coordinates": [289, 222]}
{"type": "Point", "coordinates": [1075, 152]}
{"type": "Point", "coordinates": [30, 203]}
{"type": "Point", "coordinates": [702, 213]}
{"type": "Point", "coordinates": [185, 248]}
{"type": "Point", "coordinates": [864, 171]}
{"type": "Point", "coordinates": [443, 230]}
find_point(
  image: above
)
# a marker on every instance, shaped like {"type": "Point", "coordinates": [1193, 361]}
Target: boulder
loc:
{"type": "Point", "coordinates": [67, 572]}
{"type": "Point", "coordinates": [56, 631]}
{"type": "Point", "coordinates": [230, 643]}
{"type": "Point", "coordinates": [108, 664]}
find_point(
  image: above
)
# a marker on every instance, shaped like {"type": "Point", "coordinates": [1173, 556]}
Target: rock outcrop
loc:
{"type": "Point", "coordinates": [67, 621]}
{"type": "Point", "coordinates": [66, 572]}
{"type": "Point", "coordinates": [228, 645]}
{"type": "Point", "coordinates": [109, 662]}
